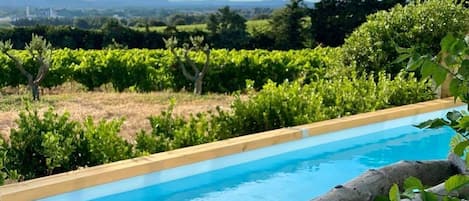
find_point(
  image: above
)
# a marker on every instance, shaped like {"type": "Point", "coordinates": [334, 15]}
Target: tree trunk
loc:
{"type": "Point", "coordinates": [198, 84]}
{"type": "Point", "coordinates": [35, 91]}
{"type": "Point", "coordinates": [443, 90]}
{"type": "Point", "coordinates": [378, 182]}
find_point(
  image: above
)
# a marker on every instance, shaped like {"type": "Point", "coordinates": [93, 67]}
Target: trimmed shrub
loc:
{"type": "Point", "coordinates": [43, 145]}
{"type": "Point", "coordinates": [103, 143]}
{"type": "Point", "coordinates": [172, 132]}
{"type": "Point", "coordinates": [52, 143]}
{"type": "Point", "coordinates": [291, 104]}
{"type": "Point", "coordinates": [372, 46]}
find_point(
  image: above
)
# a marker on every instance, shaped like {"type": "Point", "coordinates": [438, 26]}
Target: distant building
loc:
{"type": "Point", "coordinates": [28, 13]}
{"type": "Point", "coordinates": [40, 13]}
{"type": "Point", "coordinates": [52, 13]}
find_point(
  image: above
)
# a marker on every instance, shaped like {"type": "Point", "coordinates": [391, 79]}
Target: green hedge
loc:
{"type": "Point", "coordinates": [52, 143]}
{"type": "Point", "coordinates": [150, 70]}
{"type": "Point", "coordinates": [372, 46]}
{"type": "Point", "coordinates": [283, 105]}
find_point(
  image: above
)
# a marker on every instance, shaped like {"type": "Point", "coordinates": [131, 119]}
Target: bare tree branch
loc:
{"type": "Point", "coordinates": [182, 66]}
{"type": "Point", "coordinates": [19, 66]}
{"type": "Point", "coordinates": [191, 63]}
{"type": "Point", "coordinates": [42, 71]}
{"type": "Point", "coordinates": [185, 73]}
{"type": "Point", "coordinates": [207, 61]}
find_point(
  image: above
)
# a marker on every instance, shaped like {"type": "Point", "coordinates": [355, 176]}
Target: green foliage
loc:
{"type": "Point", "coordinates": [287, 25]}
{"type": "Point", "coordinates": [449, 63]}
{"type": "Point", "coordinates": [150, 70]}
{"type": "Point", "coordinates": [333, 20]}
{"type": "Point", "coordinates": [227, 29]}
{"type": "Point", "coordinates": [150, 144]}
{"type": "Point", "coordinates": [277, 106]}
{"type": "Point", "coordinates": [414, 187]}
{"type": "Point", "coordinates": [372, 46]}
{"type": "Point", "coordinates": [3, 159]}
{"type": "Point", "coordinates": [52, 143]}
{"type": "Point", "coordinates": [459, 121]}
{"type": "Point", "coordinates": [394, 193]}
{"type": "Point", "coordinates": [171, 132]}
{"type": "Point", "coordinates": [143, 69]}
{"type": "Point", "coordinates": [103, 143]}
{"type": "Point", "coordinates": [290, 104]}
{"type": "Point", "coordinates": [405, 87]}
{"type": "Point", "coordinates": [283, 105]}
{"type": "Point", "coordinates": [456, 182]}
{"type": "Point", "coordinates": [41, 145]}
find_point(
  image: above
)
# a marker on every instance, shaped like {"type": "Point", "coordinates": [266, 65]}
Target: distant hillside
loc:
{"type": "Point", "coordinates": [140, 3]}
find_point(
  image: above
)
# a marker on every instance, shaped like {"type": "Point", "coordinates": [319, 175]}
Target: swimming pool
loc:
{"type": "Point", "coordinates": [302, 174]}
{"type": "Point", "coordinates": [297, 170]}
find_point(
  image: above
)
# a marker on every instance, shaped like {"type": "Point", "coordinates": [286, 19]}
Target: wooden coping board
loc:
{"type": "Point", "coordinates": [92, 176]}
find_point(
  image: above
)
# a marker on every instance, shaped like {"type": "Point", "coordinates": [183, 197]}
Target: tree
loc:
{"type": "Point", "coordinates": [41, 52]}
{"type": "Point", "coordinates": [333, 20]}
{"type": "Point", "coordinates": [198, 75]}
{"type": "Point", "coordinates": [287, 25]}
{"type": "Point", "coordinates": [227, 28]}
{"type": "Point", "coordinates": [81, 23]}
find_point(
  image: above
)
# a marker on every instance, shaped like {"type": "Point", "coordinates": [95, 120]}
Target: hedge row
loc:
{"type": "Point", "coordinates": [52, 143]}
{"type": "Point", "coordinates": [150, 70]}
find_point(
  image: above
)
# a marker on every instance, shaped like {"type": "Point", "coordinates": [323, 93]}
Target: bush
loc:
{"type": "Point", "coordinates": [102, 143]}
{"type": "Point", "coordinates": [283, 105]}
{"type": "Point", "coordinates": [170, 131]}
{"type": "Point", "coordinates": [291, 104]}
{"type": "Point", "coordinates": [277, 106]}
{"type": "Point", "coordinates": [372, 46]}
{"type": "Point", "coordinates": [52, 143]}
{"type": "Point", "coordinates": [406, 89]}
{"type": "Point", "coordinates": [43, 145]}
{"type": "Point", "coordinates": [3, 158]}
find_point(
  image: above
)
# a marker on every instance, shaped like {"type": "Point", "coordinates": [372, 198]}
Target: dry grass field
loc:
{"type": "Point", "coordinates": [134, 107]}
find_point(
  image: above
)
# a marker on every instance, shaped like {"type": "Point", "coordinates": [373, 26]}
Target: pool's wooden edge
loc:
{"type": "Point", "coordinates": [70, 181]}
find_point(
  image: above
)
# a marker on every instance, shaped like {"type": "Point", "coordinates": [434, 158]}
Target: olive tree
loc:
{"type": "Point", "coordinates": [41, 52]}
{"type": "Point", "coordinates": [197, 75]}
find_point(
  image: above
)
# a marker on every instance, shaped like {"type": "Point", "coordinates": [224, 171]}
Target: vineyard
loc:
{"type": "Point", "coordinates": [153, 70]}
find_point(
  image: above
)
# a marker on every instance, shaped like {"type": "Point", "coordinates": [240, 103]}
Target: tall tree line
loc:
{"type": "Point", "coordinates": [293, 27]}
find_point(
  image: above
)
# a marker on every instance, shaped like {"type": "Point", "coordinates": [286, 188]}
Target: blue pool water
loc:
{"type": "Point", "coordinates": [302, 174]}
{"type": "Point", "coordinates": [297, 170]}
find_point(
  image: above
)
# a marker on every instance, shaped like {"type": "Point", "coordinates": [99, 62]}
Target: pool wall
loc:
{"type": "Point", "coordinates": [197, 159]}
